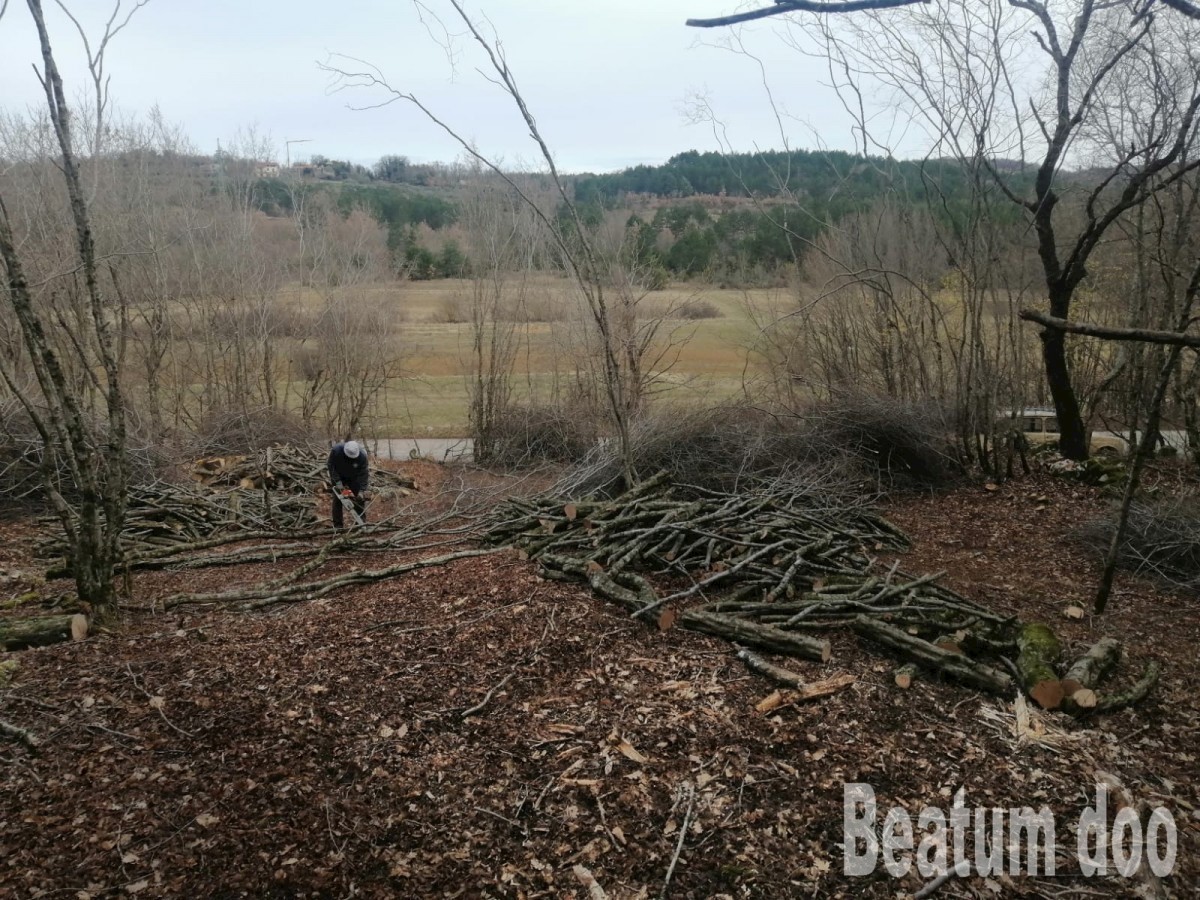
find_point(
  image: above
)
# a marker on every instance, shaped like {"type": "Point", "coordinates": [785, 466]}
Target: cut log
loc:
{"type": "Point", "coordinates": [1094, 666]}
{"type": "Point", "coordinates": [1039, 650]}
{"type": "Point", "coordinates": [953, 665]}
{"type": "Point", "coordinates": [778, 674]}
{"type": "Point", "coordinates": [905, 676]}
{"type": "Point", "coordinates": [765, 637]}
{"type": "Point", "coordinates": [41, 631]}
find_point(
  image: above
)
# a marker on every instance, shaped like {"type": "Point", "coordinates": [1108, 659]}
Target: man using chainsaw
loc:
{"type": "Point", "coordinates": [349, 480]}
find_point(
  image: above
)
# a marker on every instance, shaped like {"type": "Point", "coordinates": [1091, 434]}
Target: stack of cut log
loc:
{"type": "Point", "coordinates": [286, 469]}
{"type": "Point", "coordinates": [768, 568]}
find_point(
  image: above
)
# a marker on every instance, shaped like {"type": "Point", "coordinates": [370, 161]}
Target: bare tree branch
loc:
{"type": "Point", "coordinates": [786, 6]}
{"type": "Point", "coordinates": [1109, 333]}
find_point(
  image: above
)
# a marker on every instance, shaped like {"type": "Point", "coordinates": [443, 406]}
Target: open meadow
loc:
{"type": "Point", "coordinates": [708, 358]}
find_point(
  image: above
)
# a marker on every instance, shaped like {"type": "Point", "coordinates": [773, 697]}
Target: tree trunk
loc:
{"type": "Point", "coordinates": [1072, 442]}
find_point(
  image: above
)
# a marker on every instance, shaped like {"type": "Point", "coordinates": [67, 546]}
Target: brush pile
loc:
{"type": "Point", "coordinates": [775, 569]}
{"type": "Point", "coordinates": [285, 469]}
{"type": "Point", "coordinates": [273, 492]}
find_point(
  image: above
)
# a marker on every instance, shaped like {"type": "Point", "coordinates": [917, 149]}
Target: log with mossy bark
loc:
{"type": "Point", "coordinates": [1038, 651]}
{"type": "Point", "coordinates": [40, 631]}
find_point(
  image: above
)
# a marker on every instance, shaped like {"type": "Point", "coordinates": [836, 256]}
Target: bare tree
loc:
{"type": "Point", "coordinates": [1023, 80]}
{"type": "Point", "coordinates": [84, 432]}
{"type": "Point", "coordinates": [569, 234]}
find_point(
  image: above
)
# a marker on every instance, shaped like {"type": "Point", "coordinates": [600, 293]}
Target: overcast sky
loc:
{"type": "Point", "coordinates": [609, 81]}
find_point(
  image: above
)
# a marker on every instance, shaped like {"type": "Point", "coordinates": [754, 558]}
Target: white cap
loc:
{"type": "Point", "coordinates": [352, 449]}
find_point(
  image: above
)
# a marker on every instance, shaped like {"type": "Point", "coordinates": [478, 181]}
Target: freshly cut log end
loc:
{"type": "Point", "coordinates": [1084, 698]}
{"type": "Point", "coordinates": [1048, 694]}
{"type": "Point", "coordinates": [905, 676]}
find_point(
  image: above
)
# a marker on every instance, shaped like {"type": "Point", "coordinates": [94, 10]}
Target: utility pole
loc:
{"type": "Point", "coordinates": [288, 149]}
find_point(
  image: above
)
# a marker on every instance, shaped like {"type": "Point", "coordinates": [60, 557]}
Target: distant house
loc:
{"type": "Point", "coordinates": [266, 170]}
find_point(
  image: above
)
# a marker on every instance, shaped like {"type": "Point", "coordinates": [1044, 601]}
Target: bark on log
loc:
{"type": "Point", "coordinates": [1039, 650]}
{"type": "Point", "coordinates": [41, 631]}
{"type": "Point", "coordinates": [1094, 666]}
{"type": "Point", "coordinates": [1135, 694]}
{"type": "Point", "coordinates": [778, 674]}
{"type": "Point", "coordinates": [953, 665]}
{"type": "Point", "coordinates": [765, 637]}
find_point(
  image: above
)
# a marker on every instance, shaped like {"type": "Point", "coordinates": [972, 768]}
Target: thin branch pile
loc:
{"type": "Point", "coordinates": [773, 568]}
{"type": "Point", "coordinates": [269, 494]}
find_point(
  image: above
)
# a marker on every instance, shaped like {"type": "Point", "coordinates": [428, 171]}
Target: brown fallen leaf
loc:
{"type": "Point", "coordinates": [630, 752]}
{"type": "Point", "coordinates": [1074, 612]}
{"type": "Point", "coordinates": [570, 511]}
{"type": "Point", "coordinates": [79, 627]}
{"type": "Point", "coordinates": [667, 618]}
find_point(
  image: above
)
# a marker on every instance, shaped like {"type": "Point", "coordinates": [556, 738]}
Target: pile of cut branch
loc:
{"type": "Point", "coordinates": [770, 569]}
{"type": "Point", "coordinates": [271, 494]}
{"type": "Point", "coordinates": [164, 516]}
{"type": "Point", "coordinates": [285, 469]}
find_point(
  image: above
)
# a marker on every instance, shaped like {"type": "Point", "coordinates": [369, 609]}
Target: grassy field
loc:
{"type": "Point", "coordinates": [711, 358]}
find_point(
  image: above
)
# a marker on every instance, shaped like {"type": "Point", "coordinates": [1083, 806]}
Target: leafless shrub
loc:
{"type": "Point", "coordinates": [454, 311]}
{"type": "Point", "coordinates": [903, 446]}
{"type": "Point", "coordinates": [229, 431]}
{"type": "Point", "coordinates": [533, 434]}
{"type": "Point", "coordinates": [22, 455]}
{"type": "Point", "coordinates": [694, 310]}
{"type": "Point", "coordinates": [1162, 539]}
{"type": "Point", "coordinates": [854, 447]}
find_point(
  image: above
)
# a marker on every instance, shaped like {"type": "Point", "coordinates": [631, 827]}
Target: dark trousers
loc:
{"type": "Point", "coordinates": [338, 512]}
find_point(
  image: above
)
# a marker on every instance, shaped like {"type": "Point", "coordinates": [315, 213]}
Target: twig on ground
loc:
{"type": "Point", "coordinates": [961, 869]}
{"type": "Point", "coordinates": [683, 830]}
{"type": "Point", "coordinates": [487, 697]}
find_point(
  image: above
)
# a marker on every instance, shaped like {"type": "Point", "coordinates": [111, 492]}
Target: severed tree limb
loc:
{"type": "Point", "coordinates": [683, 830]}
{"type": "Point", "coordinates": [1087, 672]}
{"type": "Point", "coordinates": [778, 674]}
{"type": "Point", "coordinates": [1109, 333]}
{"type": "Point", "coordinates": [1039, 649]}
{"type": "Point", "coordinates": [265, 595]}
{"type": "Point", "coordinates": [766, 637]}
{"type": "Point", "coordinates": [953, 665]}
{"type": "Point", "coordinates": [786, 6]}
{"type": "Point", "coordinates": [584, 876]}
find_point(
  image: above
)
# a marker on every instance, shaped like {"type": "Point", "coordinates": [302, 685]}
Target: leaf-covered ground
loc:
{"type": "Point", "coordinates": [343, 747]}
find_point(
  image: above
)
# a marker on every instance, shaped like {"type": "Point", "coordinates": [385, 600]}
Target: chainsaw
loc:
{"type": "Point", "coordinates": [346, 495]}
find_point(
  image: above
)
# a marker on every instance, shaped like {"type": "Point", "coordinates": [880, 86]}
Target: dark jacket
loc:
{"type": "Point", "coordinates": [350, 472]}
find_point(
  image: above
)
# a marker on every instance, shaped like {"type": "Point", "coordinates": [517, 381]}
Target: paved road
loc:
{"type": "Point", "coordinates": [437, 449]}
